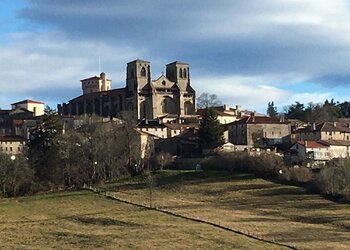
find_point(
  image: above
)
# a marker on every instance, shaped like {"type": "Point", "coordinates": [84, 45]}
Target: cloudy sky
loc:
{"type": "Point", "coordinates": [247, 52]}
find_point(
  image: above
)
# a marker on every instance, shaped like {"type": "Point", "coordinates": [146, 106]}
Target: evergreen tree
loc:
{"type": "Point", "coordinates": [271, 109]}
{"type": "Point", "coordinates": [296, 111]}
{"type": "Point", "coordinates": [210, 131]}
{"type": "Point", "coordinates": [42, 147]}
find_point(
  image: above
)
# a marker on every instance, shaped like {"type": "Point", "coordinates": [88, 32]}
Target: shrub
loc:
{"type": "Point", "coordinates": [162, 160]}
{"type": "Point", "coordinates": [264, 164]}
{"type": "Point", "coordinates": [299, 175]}
{"type": "Point", "coordinates": [334, 178]}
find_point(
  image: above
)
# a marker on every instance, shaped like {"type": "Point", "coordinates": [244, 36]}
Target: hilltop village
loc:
{"type": "Point", "coordinates": [165, 115]}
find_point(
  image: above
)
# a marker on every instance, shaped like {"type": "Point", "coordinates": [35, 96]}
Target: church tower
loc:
{"type": "Point", "coordinates": [138, 74]}
{"type": "Point", "coordinates": [138, 79]}
{"type": "Point", "coordinates": [178, 72]}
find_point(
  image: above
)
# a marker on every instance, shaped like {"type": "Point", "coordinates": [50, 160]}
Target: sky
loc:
{"type": "Point", "coordinates": [247, 52]}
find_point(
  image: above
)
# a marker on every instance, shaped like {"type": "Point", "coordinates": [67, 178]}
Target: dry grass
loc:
{"type": "Point", "coordinates": [82, 220]}
{"type": "Point", "coordinates": [281, 213]}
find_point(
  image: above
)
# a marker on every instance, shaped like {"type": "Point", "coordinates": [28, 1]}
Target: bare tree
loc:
{"type": "Point", "coordinates": [206, 100]}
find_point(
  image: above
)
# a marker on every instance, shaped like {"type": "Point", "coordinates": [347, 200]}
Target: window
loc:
{"type": "Point", "coordinates": [185, 73]}
{"type": "Point", "coordinates": [143, 71]}
{"type": "Point", "coordinates": [180, 74]}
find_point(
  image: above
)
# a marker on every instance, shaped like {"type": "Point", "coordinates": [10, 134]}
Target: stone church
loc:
{"type": "Point", "coordinates": [169, 96]}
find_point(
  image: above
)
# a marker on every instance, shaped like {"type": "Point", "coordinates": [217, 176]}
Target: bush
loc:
{"type": "Point", "coordinates": [298, 175]}
{"type": "Point", "coordinates": [16, 177]}
{"type": "Point", "coordinates": [265, 164]}
{"type": "Point", "coordinates": [334, 178]}
{"type": "Point", "coordinates": [162, 160]}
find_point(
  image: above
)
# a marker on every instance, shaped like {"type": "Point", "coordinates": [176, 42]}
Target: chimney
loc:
{"type": "Point", "coordinates": [146, 121]}
{"type": "Point", "coordinates": [313, 126]}
{"type": "Point", "coordinates": [282, 118]}
{"type": "Point", "coordinates": [103, 75]}
{"type": "Point", "coordinates": [252, 115]}
{"type": "Point", "coordinates": [334, 124]}
{"type": "Point", "coordinates": [226, 107]}
{"type": "Point", "coordinates": [238, 108]}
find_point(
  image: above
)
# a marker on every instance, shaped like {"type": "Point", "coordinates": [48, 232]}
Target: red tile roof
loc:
{"type": "Point", "coordinates": [312, 144]}
{"type": "Point", "coordinates": [260, 120]}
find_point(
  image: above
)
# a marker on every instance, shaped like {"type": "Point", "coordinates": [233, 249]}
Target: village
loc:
{"type": "Point", "coordinates": [166, 117]}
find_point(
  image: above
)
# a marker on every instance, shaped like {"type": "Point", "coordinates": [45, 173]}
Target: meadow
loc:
{"type": "Point", "coordinates": [84, 220]}
{"type": "Point", "coordinates": [265, 209]}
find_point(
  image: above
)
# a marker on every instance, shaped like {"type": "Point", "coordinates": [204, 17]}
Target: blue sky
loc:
{"type": "Point", "coordinates": [247, 52]}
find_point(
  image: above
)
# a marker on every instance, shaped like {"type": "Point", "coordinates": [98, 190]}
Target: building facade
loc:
{"type": "Point", "coordinates": [259, 131]}
{"type": "Point", "coordinates": [169, 95]}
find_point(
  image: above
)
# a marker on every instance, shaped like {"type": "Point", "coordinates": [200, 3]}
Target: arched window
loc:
{"type": "Point", "coordinates": [185, 73]}
{"type": "Point", "coordinates": [180, 74]}
{"type": "Point", "coordinates": [143, 71]}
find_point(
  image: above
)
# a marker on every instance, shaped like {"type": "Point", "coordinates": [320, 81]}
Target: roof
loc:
{"type": "Point", "coordinates": [336, 142]}
{"type": "Point", "coordinates": [11, 138]}
{"type": "Point", "coordinates": [90, 96]}
{"type": "Point", "coordinates": [90, 78]}
{"type": "Point", "coordinates": [218, 111]}
{"type": "Point", "coordinates": [312, 144]}
{"type": "Point", "coordinates": [27, 101]}
{"type": "Point", "coordinates": [259, 120]}
{"type": "Point", "coordinates": [178, 126]}
{"type": "Point", "coordinates": [150, 123]}
{"type": "Point", "coordinates": [139, 60]}
{"type": "Point", "coordinates": [327, 127]}
{"type": "Point", "coordinates": [177, 62]}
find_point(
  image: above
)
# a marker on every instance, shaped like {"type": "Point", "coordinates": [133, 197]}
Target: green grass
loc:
{"type": "Point", "coordinates": [268, 210]}
{"type": "Point", "coordinates": [83, 220]}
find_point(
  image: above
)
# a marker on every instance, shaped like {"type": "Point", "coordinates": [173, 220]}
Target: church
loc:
{"type": "Point", "coordinates": [170, 96]}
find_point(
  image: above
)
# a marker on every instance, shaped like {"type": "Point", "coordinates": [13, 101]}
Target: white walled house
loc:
{"type": "Point", "coordinates": [34, 106]}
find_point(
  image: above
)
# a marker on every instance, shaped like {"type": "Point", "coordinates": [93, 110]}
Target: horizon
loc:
{"type": "Point", "coordinates": [247, 53]}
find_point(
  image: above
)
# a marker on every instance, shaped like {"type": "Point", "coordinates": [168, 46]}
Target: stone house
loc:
{"type": "Point", "coordinates": [12, 145]}
{"type": "Point", "coordinates": [259, 131]}
{"type": "Point", "coordinates": [323, 131]}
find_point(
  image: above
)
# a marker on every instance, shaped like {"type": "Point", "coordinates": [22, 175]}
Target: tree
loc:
{"type": "Point", "coordinates": [296, 111]}
{"type": "Point", "coordinates": [42, 149]}
{"type": "Point", "coordinates": [210, 131]}
{"type": "Point", "coordinates": [271, 109]}
{"type": "Point", "coordinates": [206, 100]}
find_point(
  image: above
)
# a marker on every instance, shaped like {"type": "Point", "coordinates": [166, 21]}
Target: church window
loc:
{"type": "Point", "coordinates": [143, 71]}
{"type": "Point", "coordinates": [185, 73]}
{"type": "Point", "coordinates": [180, 74]}
{"type": "Point", "coordinates": [164, 83]}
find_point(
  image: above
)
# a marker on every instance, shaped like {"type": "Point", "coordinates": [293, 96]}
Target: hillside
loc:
{"type": "Point", "coordinates": [267, 210]}
{"type": "Point", "coordinates": [83, 220]}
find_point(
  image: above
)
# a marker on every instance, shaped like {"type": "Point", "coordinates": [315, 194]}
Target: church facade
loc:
{"type": "Point", "coordinates": [169, 95]}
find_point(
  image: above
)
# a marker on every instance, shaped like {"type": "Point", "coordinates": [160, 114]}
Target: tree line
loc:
{"type": "Point", "coordinates": [313, 112]}
{"type": "Point", "coordinates": [95, 152]}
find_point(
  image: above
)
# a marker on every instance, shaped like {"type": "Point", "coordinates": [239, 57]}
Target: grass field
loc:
{"type": "Point", "coordinates": [268, 210]}
{"type": "Point", "coordinates": [83, 220]}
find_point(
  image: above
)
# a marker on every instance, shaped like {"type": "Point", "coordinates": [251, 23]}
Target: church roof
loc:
{"type": "Point", "coordinates": [90, 96]}
{"type": "Point", "coordinates": [178, 62]}
{"type": "Point", "coordinates": [139, 60]}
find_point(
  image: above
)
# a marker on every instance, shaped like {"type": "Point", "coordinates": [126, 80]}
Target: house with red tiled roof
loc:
{"type": "Point", "coordinates": [259, 131]}
{"type": "Point", "coordinates": [314, 153]}
{"type": "Point", "coordinates": [309, 151]}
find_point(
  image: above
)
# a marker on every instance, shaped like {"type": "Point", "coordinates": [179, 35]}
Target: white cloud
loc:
{"type": "Point", "coordinates": [250, 92]}
{"type": "Point", "coordinates": [47, 62]}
